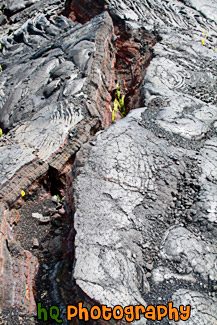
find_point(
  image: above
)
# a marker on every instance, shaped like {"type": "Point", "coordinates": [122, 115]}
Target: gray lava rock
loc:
{"type": "Point", "coordinates": [43, 91]}
{"type": "Point", "coordinates": [203, 308]}
{"type": "Point", "coordinates": [129, 176]}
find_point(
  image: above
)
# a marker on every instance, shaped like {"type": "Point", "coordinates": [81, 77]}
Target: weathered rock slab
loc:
{"type": "Point", "coordinates": [145, 189]}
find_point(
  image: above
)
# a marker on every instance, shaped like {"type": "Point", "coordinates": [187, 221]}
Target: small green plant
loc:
{"type": "Point", "coordinates": [59, 198]}
{"type": "Point", "coordinates": [2, 10]}
{"type": "Point", "coordinates": [114, 109]}
{"type": "Point", "coordinates": [121, 101]}
{"type": "Point", "coordinates": [118, 103]}
{"type": "Point", "coordinates": [204, 39]}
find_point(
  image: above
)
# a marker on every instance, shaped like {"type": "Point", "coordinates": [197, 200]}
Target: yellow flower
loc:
{"type": "Point", "coordinates": [23, 193]}
{"type": "Point", "coordinates": [215, 50]}
{"type": "Point", "coordinates": [1, 132]}
{"type": "Point", "coordinates": [203, 41]}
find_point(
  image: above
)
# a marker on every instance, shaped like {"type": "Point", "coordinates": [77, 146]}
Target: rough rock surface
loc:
{"type": "Point", "coordinates": [144, 189]}
{"type": "Point", "coordinates": [44, 93]}
{"type": "Point", "coordinates": [18, 267]}
{"type": "Point", "coordinates": [51, 90]}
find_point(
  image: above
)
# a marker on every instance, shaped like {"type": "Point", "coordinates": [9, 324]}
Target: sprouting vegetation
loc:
{"type": "Point", "coordinates": [121, 101]}
{"type": "Point", "coordinates": [204, 39]}
{"type": "Point", "coordinates": [118, 104]}
{"type": "Point", "coordinates": [114, 109]}
{"type": "Point", "coordinates": [58, 197]}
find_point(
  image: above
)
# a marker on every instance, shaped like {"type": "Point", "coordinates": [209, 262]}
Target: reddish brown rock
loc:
{"type": "Point", "coordinates": [18, 269]}
{"type": "Point", "coordinates": [132, 58]}
{"type": "Point", "coordinates": [82, 11]}
{"type": "Point", "coordinates": [130, 54]}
